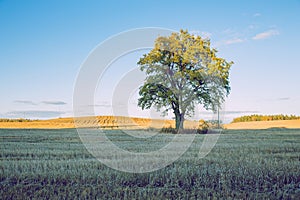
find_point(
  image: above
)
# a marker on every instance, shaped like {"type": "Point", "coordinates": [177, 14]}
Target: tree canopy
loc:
{"type": "Point", "coordinates": [182, 70]}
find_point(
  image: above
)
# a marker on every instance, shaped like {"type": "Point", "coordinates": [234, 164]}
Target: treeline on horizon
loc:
{"type": "Point", "coordinates": [16, 120]}
{"type": "Point", "coordinates": [250, 118]}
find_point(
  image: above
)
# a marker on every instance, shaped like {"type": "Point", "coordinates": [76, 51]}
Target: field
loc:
{"type": "Point", "coordinates": [119, 122]}
{"type": "Point", "coordinates": [292, 124]}
{"type": "Point", "coordinates": [109, 122]}
{"type": "Point", "coordinates": [244, 164]}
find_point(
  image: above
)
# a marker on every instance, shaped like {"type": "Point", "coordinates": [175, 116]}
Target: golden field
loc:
{"type": "Point", "coordinates": [117, 122]}
{"type": "Point", "coordinates": [106, 122]}
{"type": "Point", "coordinates": [264, 124]}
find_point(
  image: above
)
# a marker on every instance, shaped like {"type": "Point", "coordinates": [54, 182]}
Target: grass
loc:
{"type": "Point", "coordinates": [244, 164]}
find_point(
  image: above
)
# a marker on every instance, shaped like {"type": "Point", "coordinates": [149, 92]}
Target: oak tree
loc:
{"type": "Point", "coordinates": [182, 70]}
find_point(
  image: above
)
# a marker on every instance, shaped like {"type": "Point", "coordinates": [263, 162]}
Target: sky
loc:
{"type": "Point", "coordinates": [43, 45]}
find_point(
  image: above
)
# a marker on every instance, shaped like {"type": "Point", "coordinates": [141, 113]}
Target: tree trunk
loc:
{"type": "Point", "coordinates": [179, 117]}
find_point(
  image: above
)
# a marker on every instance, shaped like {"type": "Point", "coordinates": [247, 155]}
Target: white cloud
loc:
{"type": "Point", "coordinates": [25, 102]}
{"type": "Point", "coordinates": [54, 102]}
{"type": "Point", "coordinates": [265, 35]}
{"type": "Point", "coordinates": [233, 41]}
{"type": "Point", "coordinates": [28, 102]}
{"type": "Point", "coordinates": [242, 112]}
{"type": "Point", "coordinates": [228, 42]}
{"type": "Point", "coordinates": [283, 99]}
{"type": "Point", "coordinates": [228, 31]}
{"type": "Point", "coordinates": [231, 36]}
{"type": "Point", "coordinates": [232, 33]}
{"type": "Point", "coordinates": [203, 34]}
{"type": "Point", "coordinates": [36, 114]}
{"type": "Point", "coordinates": [252, 26]}
{"type": "Point", "coordinates": [256, 15]}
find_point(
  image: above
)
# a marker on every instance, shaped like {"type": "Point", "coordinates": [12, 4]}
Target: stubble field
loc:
{"type": "Point", "coordinates": [244, 164]}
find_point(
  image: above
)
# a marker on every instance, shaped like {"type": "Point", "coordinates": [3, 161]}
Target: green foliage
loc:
{"type": "Point", "coordinates": [203, 127]}
{"type": "Point", "coordinates": [249, 118]}
{"type": "Point", "coordinates": [182, 71]}
{"type": "Point", "coordinates": [54, 164]}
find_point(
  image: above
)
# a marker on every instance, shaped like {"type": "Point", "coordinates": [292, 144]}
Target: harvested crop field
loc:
{"type": "Point", "coordinates": [289, 124]}
{"type": "Point", "coordinates": [105, 122]}
{"type": "Point", "coordinates": [244, 164]}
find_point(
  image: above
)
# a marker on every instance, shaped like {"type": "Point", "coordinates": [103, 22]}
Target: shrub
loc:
{"type": "Point", "coordinates": [168, 130]}
{"type": "Point", "coordinates": [203, 127]}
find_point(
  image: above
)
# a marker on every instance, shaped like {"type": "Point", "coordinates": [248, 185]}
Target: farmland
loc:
{"type": "Point", "coordinates": [244, 164]}
{"type": "Point", "coordinates": [110, 122]}
{"type": "Point", "coordinates": [120, 122]}
{"type": "Point", "coordinates": [291, 124]}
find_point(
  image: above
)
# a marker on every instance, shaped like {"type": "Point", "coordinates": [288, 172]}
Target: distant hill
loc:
{"type": "Point", "coordinates": [264, 124]}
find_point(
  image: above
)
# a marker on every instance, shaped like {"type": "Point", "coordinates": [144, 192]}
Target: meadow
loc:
{"type": "Point", "coordinates": [244, 164]}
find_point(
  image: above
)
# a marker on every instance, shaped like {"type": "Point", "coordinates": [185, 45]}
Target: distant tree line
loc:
{"type": "Point", "coordinates": [16, 120]}
{"type": "Point", "coordinates": [249, 118]}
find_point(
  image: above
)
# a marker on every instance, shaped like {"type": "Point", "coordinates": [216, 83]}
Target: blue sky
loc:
{"type": "Point", "coordinates": [44, 43]}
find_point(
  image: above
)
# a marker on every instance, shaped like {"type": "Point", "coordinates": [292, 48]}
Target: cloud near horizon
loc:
{"type": "Point", "coordinates": [283, 99]}
{"type": "Point", "coordinates": [27, 102]}
{"type": "Point", "coordinates": [230, 112]}
{"type": "Point", "coordinates": [54, 102]}
{"type": "Point", "coordinates": [241, 112]}
{"type": "Point", "coordinates": [265, 34]}
{"type": "Point", "coordinates": [33, 114]}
